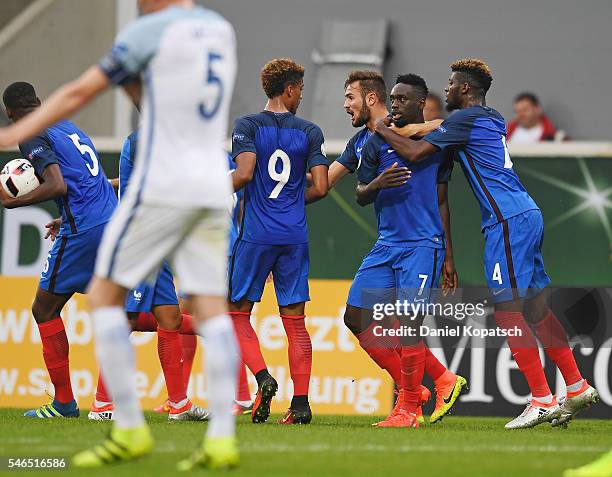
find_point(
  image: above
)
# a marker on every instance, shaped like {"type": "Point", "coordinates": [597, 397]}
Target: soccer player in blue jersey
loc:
{"type": "Point", "coordinates": [273, 151]}
{"type": "Point", "coordinates": [160, 299]}
{"type": "Point", "coordinates": [408, 259]}
{"type": "Point", "coordinates": [365, 94]}
{"type": "Point", "coordinates": [65, 159]}
{"type": "Point", "coordinates": [513, 230]}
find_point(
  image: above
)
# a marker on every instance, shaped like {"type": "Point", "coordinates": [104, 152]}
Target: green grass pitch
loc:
{"type": "Point", "coordinates": [331, 446]}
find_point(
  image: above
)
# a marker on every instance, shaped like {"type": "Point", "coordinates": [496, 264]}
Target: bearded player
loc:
{"type": "Point", "coordinates": [513, 229]}
{"type": "Point", "coordinates": [273, 151]}
{"type": "Point", "coordinates": [365, 95]}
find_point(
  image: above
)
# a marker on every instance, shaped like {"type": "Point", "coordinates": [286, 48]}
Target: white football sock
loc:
{"type": "Point", "coordinates": [574, 388]}
{"type": "Point", "coordinates": [545, 399]}
{"type": "Point", "coordinates": [220, 361]}
{"type": "Point", "coordinates": [116, 360]}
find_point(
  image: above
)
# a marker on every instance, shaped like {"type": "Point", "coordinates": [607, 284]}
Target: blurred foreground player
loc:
{"type": "Point", "coordinates": [273, 151]}
{"type": "Point", "coordinates": [365, 93]}
{"type": "Point", "coordinates": [513, 230]}
{"type": "Point", "coordinates": [66, 160]}
{"type": "Point", "coordinates": [408, 259]}
{"type": "Point", "coordinates": [182, 58]}
{"type": "Point", "coordinates": [601, 467]}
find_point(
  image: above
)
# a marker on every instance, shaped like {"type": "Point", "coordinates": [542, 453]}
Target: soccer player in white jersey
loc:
{"type": "Point", "coordinates": [182, 58]}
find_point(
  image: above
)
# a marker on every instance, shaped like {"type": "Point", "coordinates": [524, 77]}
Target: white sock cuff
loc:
{"type": "Point", "coordinates": [110, 318]}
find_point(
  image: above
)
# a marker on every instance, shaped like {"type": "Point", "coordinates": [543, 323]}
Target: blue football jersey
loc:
{"type": "Point", "coordinates": [126, 161]}
{"type": "Point", "coordinates": [408, 215]}
{"type": "Point", "coordinates": [235, 212]}
{"type": "Point", "coordinates": [478, 137]}
{"type": "Point", "coordinates": [90, 199]}
{"type": "Point", "coordinates": [286, 147]}
{"type": "Point", "coordinates": [351, 156]}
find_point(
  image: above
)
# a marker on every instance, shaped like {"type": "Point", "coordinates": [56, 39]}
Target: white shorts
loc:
{"type": "Point", "coordinates": [194, 242]}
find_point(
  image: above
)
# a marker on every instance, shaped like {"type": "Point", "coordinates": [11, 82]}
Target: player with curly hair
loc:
{"type": "Point", "coordinates": [273, 151]}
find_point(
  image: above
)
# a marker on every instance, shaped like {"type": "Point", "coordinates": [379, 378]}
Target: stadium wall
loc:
{"type": "Point", "coordinates": [577, 254]}
{"type": "Point", "coordinates": [556, 48]}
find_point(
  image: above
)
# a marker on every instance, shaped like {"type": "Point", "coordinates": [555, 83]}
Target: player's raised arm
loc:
{"type": "Point", "coordinates": [64, 102]}
{"type": "Point", "coordinates": [336, 172]}
{"type": "Point", "coordinates": [413, 151]}
{"type": "Point", "coordinates": [418, 129]}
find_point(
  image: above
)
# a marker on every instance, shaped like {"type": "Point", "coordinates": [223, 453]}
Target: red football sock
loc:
{"type": "Point", "coordinates": [55, 353]}
{"type": "Point", "coordinates": [299, 352]}
{"type": "Point", "coordinates": [187, 325]}
{"type": "Point", "coordinates": [554, 339]}
{"type": "Point", "coordinates": [247, 339]}
{"type": "Point", "coordinates": [242, 391]}
{"type": "Point", "coordinates": [413, 367]}
{"type": "Point", "coordinates": [146, 322]}
{"type": "Point", "coordinates": [524, 351]}
{"type": "Point", "coordinates": [170, 351]}
{"type": "Point", "coordinates": [189, 344]}
{"type": "Point", "coordinates": [383, 351]}
{"type": "Point", "coordinates": [433, 368]}
{"type": "Point", "coordinates": [102, 394]}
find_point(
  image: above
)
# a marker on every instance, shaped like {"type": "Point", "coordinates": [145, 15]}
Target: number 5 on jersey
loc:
{"type": "Point", "coordinates": [281, 177]}
{"type": "Point", "coordinates": [84, 149]}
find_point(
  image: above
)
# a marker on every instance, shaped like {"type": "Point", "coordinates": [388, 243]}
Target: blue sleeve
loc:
{"type": "Point", "coordinates": [349, 158]}
{"type": "Point", "coordinates": [368, 170]}
{"type": "Point", "coordinates": [126, 164]}
{"type": "Point", "coordinates": [445, 170]}
{"type": "Point", "coordinates": [454, 131]}
{"type": "Point", "coordinates": [39, 152]}
{"type": "Point", "coordinates": [132, 51]}
{"type": "Point", "coordinates": [243, 137]}
{"type": "Point", "coordinates": [316, 155]}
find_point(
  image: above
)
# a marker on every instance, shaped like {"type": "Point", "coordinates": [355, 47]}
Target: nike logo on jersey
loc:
{"type": "Point", "coordinates": [497, 292]}
{"type": "Point", "coordinates": [390, 151]}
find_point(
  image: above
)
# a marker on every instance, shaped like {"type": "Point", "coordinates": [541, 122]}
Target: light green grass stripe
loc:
{"type": "Point", "coordinates": [348, 210]}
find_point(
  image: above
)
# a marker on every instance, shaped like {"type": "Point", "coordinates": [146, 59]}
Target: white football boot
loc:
{"type": "Point", "coordinates": [574, 403]}
{"type": "Point", "coordinates": [535, 413]}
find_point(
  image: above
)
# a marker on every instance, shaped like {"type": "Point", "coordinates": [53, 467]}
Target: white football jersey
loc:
{"type": "Point", "coordinates": [186, 59]}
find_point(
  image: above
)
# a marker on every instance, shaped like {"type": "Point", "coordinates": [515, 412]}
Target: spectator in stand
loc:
{"type": "Point", "coordinates": [434, 108]}
{"type": "Point", "coordinates": [530, 124]}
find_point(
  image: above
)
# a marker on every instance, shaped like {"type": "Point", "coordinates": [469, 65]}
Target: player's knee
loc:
{"type": "Point", "coordinates": [104, 293]}
{"type": "Point", "coordinates": [168, 318]}
{"type": "Point", "coordinates": [41, 312]}
{"type": "Point", "coordinates": [352, 320]}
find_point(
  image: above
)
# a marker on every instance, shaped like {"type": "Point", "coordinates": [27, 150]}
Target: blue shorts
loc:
{"type": "Point", "coordinates": [71, 262]}
{"type": "Point", "coordinates": [513, 261]}
{"type": "Point", "coordinates": [251, 263]}
{"type": "Point", "coordinates": [145, 296]}
{"type": "Point", "coordinates": [389, 273]}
